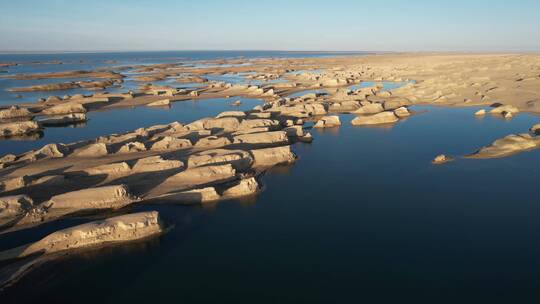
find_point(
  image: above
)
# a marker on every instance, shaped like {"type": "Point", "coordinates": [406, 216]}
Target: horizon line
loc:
{"type": "Point", "coordinates": [183, 50]}
{"type": "Point", "coordinates": [47, 52]}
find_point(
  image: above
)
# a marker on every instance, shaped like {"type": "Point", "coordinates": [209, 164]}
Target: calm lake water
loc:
{"type": "Point", "coordinates": [361, 217]}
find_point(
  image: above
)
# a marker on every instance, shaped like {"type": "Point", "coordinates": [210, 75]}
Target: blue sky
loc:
{"type": "Point", "coordinates": [391, 25]}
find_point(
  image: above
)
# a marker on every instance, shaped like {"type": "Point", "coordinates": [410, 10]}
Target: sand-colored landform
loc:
{"type": "Point", "coordinates": [512, 80]}
{"type": "Point", "coordinates": [221, 157]}
{"type": "Point", "coordinates": [508, 145]}
{"type": "Point", "coordinates": [116, 229]}
{"type": "Point", "coordinates": [205, 161]}
{"type": "Point", "coordinates": [161, 162]}
{"type": "Point", "coordinates": [119, 229]}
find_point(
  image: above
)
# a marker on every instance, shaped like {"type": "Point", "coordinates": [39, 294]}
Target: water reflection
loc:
{"type": "Point", "coordinates": [27, 137]}
{"type": "Point", "coordinates": [328, 131]}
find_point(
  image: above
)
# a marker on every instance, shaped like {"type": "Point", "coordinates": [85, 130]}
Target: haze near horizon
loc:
{"type": "Point", "coordinates": [342, 25]}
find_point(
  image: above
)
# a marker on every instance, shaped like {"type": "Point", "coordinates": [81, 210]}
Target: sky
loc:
{"type": "Point", "coordinates": [332, 25]}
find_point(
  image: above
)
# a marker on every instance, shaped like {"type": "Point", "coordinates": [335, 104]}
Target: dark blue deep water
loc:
{"type": "Point", "coordinates": [361, 217]}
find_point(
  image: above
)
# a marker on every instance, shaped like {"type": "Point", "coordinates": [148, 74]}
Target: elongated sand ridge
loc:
{"type": "Point", "coordinates": [219, 158]}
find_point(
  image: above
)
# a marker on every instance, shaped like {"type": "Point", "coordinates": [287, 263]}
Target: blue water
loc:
{"type": "Point", "coordinates": [362, 217]}
{"type": "Point", "coordinates": [387, 85]}
{"type": "Point", "coordinates": [128, 119]}
{"type": "Point", "coordinates": [241, 79]}
{"type": "Point", "coordinates": [228, 78]}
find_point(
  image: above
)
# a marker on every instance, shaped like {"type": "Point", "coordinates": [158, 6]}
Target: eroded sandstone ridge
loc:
{"type": "Point", "coordinates": [118, 229]}
{"type": "Point", "coordinates": [207, 160]}
{"type": "Point", "coordinates": [115, 229]}
{"type": "Point", "coordinates": [216, 156]}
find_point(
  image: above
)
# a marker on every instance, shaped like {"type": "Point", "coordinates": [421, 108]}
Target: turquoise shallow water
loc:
{"type": "Point", "coordinates": [361, 217]}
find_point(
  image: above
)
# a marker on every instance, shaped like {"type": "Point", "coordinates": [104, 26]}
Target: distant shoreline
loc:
{"type": "Point", "coordinates": [8, 53]}
{"type": "Point", "coordinates": [178, 51]}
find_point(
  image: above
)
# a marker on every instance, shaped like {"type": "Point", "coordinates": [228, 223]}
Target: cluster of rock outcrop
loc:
{"type": "Point", "coordinates": [18, 128]}
{"type": "Point", "coordinates": [506, 111]}
{"type": "Point", "coordinates": [16, 121]}
{"type": "Point", "coordinates": [207, 160]}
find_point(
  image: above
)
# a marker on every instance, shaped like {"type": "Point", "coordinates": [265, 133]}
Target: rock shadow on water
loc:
{"type": "Point", "coordinates": [387, 127]}
{"type": "Point", "coordinates": [74, 125]}
{"type": "Point", "coordinates": [283, 169]}
{"type": "Point", "coordinates": [334, 131]}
